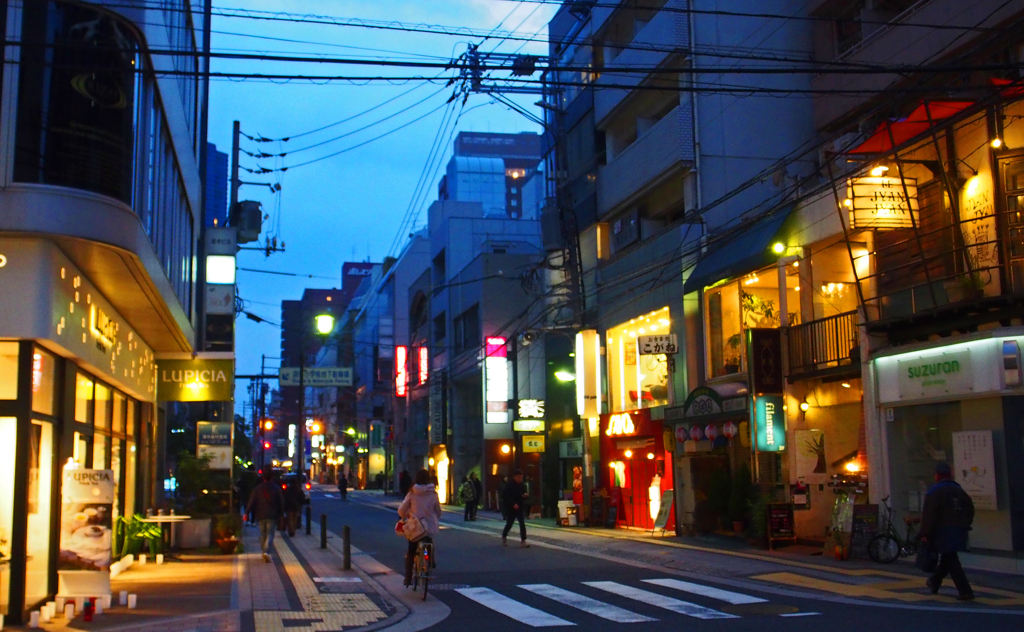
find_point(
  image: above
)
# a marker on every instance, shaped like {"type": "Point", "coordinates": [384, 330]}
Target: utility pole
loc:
{"type": "Point", "coordinates": [235, 182]}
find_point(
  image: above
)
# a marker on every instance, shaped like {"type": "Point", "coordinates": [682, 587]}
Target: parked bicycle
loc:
{"type": "Point", "coordinates": [888, 545]}
{"type": "Point", "coordinates": [421, 566]}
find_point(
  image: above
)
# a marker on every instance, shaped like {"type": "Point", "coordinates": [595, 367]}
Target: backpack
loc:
{"type": "Point", "coordinates": [466, 492]}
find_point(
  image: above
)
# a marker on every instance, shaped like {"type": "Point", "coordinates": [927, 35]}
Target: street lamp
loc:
{"type": "Point", "coordinates": [324, 326]}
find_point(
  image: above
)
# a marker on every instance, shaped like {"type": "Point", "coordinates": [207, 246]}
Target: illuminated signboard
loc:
{"type": "Point", "coordinates": [769, 424]}
{"type": "Point", "coordinates": [401, 370]}
{"type": "Point", "coordinates": [496, 380]}
{"type": "Point", "coordinates": [620, 424]}
{"type": "Point", "coordinates": [103, 329]}
{"type": "Point", "coordinates": [196, 380]}
{"type": "Point", "coordinates": [881, 202]}
{"type": "Point", "coordinates": [533, 443]}
{"type": "Point", "coordinates": [588, 373]}
{"type": "Point", "coordinates": [423, 364]}
{"type": "Point", "coordinates": [531, 409]}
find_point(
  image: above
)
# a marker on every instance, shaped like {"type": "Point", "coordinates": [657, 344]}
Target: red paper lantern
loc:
{"type": "Point", "coordinates": [681, 434]}
{"type": "Point", "coordinates": [696, 433]}
{"type": "Point", "coordinates": [711, 432]}
{"type": "Point", "coordinates": [730, 429]}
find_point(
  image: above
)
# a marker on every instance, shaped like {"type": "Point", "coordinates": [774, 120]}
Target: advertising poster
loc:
{"type": "Point", "coordinates": [86, 519]}
{"type": "Point", "coordinates": [810, 457]}
{"type": "Point", "coordinates": [213, 439]}
{"type": "Point", "coordinates": [974, 466]}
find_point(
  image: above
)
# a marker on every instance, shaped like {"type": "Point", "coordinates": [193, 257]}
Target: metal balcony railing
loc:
{"type": "Point", "coordinates": [824, 344]}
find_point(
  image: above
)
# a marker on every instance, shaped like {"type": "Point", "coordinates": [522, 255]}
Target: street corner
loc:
{"type": "Point", "coordinates": [886, 586]}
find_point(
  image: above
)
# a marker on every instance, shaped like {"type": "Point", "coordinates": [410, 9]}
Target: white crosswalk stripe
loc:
{"type": "Point", "coordinates": [586, 604]}
{"type": "Point", "coordinates": [706, 591]}
{"type": "Point", "coordinates": [512, 608]}
{"type": "Point", "coordinates": [661, 601]}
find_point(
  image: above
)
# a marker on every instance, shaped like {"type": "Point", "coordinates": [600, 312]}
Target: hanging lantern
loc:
{"type": "Point", "coordinates": [710, 431]}
{"type": "Point", "coordinates": [682, 434]}
{"type": "Point", "coordinates": [696, 433]}
{"type": "Point", "coordinates": [729, 429]}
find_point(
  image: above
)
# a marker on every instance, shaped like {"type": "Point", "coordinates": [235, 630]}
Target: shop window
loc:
{"type": "Point", "coordinates": [83, 399]}
{"type": "Point", "coordinates": [834, 289]}
{"type": "Point", "coordinates": [8, 432]}
{"type": "Point", "coordinates": [39, 505]}
{"type": "Point", "coordinates": [103, 407]}
{"type": "Point", "coordinates": [115, 464]}
{"type": "Point", "coordinates": [80, 450]}
{"type": "Point", "coordinates": [119, 412]}
{"type": "Point", "coordinates": [43, 379]}
{"type": "Point", "coordinates": [131, 420]}
{"type": "Point", "coordinates": [919, 437]}
{"type": "Point", "coordinates": [100, 443]}
{"type": "Point", "coordinates": [131, 463]}
{"type": "Point", "coordinates": [637, 380]}
{"type": "Point", "coordinates": [8, 370]}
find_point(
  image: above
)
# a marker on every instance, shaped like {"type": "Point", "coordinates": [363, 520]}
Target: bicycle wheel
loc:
{"type": "Point", "coordinates": [426, 580]}
{"type": "Point", "coordinates": [884, 548]}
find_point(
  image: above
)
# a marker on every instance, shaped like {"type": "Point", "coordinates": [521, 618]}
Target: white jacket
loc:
{"type": "Point", "coordinates": [422, 502]}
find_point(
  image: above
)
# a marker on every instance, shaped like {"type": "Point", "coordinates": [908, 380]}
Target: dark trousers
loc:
{"type": "Point", "coordinates": [410, 557]}
{"type": "Point", "coordinates": [949, 564]}
{"type": "Point", "coordinates": [476, 505]}
{"type": "Point", "coordinates": [467, 514]}
{"type": "Point", "coordinates": [510, 517]}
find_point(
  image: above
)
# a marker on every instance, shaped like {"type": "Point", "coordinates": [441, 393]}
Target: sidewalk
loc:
{"type": "Point", "coordinates": [304, 588]}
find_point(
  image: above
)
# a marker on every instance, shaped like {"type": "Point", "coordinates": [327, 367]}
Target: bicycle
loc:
{"type": "Point", "coordinates": [422, 564]}
{"type": "Point", "coordinates": [888, 546]}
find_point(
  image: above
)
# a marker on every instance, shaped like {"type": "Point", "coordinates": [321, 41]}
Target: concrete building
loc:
{"type": "Point", "coordinates": [215, 201]}
{"type": "Point", "coordinates": [100, 214]}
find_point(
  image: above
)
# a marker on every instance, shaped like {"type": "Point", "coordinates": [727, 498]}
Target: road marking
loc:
{"type": "Point", "coordinates": [586, 604]}
{"type": "Point", "coordinates": [706, 591]}
{"type": "Point", "coordinates": [800, 614]}
{"type": "Point", "coordinates": [337, 580]}
{"type": "Point", "coordinates": [512, 608]}
{"type": "Point", "coordinates": [661, 601]}
{"type": "Point", "coordinates": [329, 496]}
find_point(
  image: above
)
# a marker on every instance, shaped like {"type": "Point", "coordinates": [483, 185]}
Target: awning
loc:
{"type": "Point", "coordinates": [918, 122]}
{"type": "Point", "coordinates": [741, 253]}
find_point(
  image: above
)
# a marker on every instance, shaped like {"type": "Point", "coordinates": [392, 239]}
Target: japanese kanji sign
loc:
{"type": "Point", "coordinates": [654, 345]}
{"type": "Point", "coordinates": [321, 378]}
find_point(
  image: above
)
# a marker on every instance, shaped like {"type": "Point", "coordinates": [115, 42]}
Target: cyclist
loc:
{"type": "Point", "coordinates": [421, 511]}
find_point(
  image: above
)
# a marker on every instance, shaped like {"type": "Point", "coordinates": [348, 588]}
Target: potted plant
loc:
{"type": "Point", "coordinates": [226, 529]}
{"type": "Point", "coordinates": [732, 355]}
{"type": "Point", "coordinates": [195, 480]}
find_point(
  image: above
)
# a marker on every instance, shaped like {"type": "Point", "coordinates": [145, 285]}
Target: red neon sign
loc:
{"type": "Point", "coordinates": [424, 364]}
{"type": "Point", "coordinates": [401, 370]}
{"type": "Point", "coordinates": [494, 347]}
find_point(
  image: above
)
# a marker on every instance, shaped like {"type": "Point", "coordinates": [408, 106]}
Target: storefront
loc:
{"type": "Point", "coordinates": [77, 389]}
{"type": "Point", "coordinates": [634, 459]}
{"type": "Point", "coordinates": [961, 402]}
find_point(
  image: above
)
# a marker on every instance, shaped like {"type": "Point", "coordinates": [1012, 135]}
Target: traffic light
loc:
{"type": "Point", "coordinates": [268, 424]}
{"type": "Point", "coordinates": [266, 445]}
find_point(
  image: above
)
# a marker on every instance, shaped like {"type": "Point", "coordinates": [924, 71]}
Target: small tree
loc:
{"type": "Point", "coordinates": [195, 480]}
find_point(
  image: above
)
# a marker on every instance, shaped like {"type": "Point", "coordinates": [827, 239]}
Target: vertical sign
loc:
{"type": "Point", "coordinates": [401, 370]}
{"type": "Point", "coordinates": [86, 520]}
{"type": "Point", "coordinates": [423, 364]}
{"type": "Point", "coordinates": [769, 423]}
{"type": "Point", "coordinates": [974, 466]}
{"type": "Point", "coordinates": [214, 439]}
{"type": "Point", "coordinates": [496, 380]}
{"type": "Point", "coordinates": [436, 404]}
{"type": "Point", "coordinates": [765, 360]}
{"type": "Point", "coordinates": [588, 374]}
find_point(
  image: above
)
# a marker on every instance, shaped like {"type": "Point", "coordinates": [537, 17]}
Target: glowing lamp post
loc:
{"type": "Point", "coordinates": [324, 326]}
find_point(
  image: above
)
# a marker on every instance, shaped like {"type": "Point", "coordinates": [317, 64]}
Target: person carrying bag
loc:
{"type": "Point", "coordinates": [421, 518]}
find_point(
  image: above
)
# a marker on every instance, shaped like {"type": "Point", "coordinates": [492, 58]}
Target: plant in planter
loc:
{"type": "Point", "coordinates": [131, 532]}
{"type": "Point", "coordinates": [731, 361]}
{"type": "Point", "coordinates": [227, 527]}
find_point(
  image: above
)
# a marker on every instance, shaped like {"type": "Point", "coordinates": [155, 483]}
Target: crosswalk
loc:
{"type": "Point", "coordinates": [630, 598]}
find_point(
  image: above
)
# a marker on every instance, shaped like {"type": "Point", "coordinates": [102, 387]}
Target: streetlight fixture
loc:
{"type": "Point", "coordinates": [324, 326]}
{"type": "Point", "coordinates": [564, 376]}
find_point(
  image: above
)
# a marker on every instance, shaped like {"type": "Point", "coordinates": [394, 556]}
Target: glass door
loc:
{"type": "Point", "coordinates": [39, 508]}
{"type": "Point", "coordinates": [8, 432]}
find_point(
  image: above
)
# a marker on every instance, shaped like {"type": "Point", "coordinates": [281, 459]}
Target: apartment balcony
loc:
{"type": "Point", "coordinates": [666, 29]}
{"type": "Point", "coordinates": [827, 345]}
{"type": "Point", "coordinates": [665, 148]}
{"type": "Point", "coordinates": [906, 45]}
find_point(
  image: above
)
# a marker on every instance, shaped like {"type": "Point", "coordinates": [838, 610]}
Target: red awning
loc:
{"type": "Point", "coordinates": [916, 123]}
{"type": "Point", "coordinates": [1010, 88]}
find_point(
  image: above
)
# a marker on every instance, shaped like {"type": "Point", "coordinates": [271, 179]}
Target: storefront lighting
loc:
{"type": "Point", "coordinates": [564, 376]}
{"type": "Point", "coordinates": [431, 461]}
{"type": "Point", "coordinates": [778, 248]}
{"type": "Point", "coordinates": [628, 454]}
{"type": "Point", "coordinates": [848, 203]}
{"type": "Point", "coordinates": [996, 143]}
{"type": "Point", "coordinates": [879, 171]}
{"type": "Point", "coordinates": [505, 448]}
{"type": "Point", "coordinates": [845, 385]}
{"type": "Point", "coordinates": [220, 269]}
{"type": "Point", "coordinates": [804, 406]}
{"type": "Point", "coordinates": [650, 456]}
{"type": "Point", "coordinates": [853, 467]}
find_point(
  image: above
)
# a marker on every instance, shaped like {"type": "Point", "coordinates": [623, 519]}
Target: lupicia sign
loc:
{"type": "Point", "coordinates": [195, 380]}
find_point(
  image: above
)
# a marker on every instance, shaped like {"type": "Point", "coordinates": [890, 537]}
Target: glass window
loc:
{"type": "Point", "coordinates": [83, 399]}
{"type": "Point", "coordinates": [920, 436]}
{"type": "Point", "coordinates": [725, 340]}
{"type": "Point", "coordinates": [115, 464]}
{"type": "Point", "coordinates": [99, 452]}
{"type": "Point", "coordinates": [119, 411]}
{"type": "Point", "coordinates": [80, 450]}
{"type": "Point", "coordinates": [8, 370]}
{"type": "Point", "coordinates": [130, 427]}
{"type": "Point", "coordinates": [131, 463]}
{"type": "Point", "coordinates": [637, 380]}
{"type": "Point", "coordinates": [8, 433]}
{"type": "Point", "coordinates": [43, 379]}
{"type": "Point", "coordinates": [103, 406]}
{"type": "Point", "coordinates": [40, 488]}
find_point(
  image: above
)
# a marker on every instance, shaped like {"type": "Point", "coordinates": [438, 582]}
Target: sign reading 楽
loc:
{"type": "Point", "coordinates": [316, 377]}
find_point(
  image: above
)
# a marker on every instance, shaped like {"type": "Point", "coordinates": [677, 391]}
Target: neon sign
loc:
{"type": "Point", "coordinates": [620, 424]}
{"type": "Point", "coordinates": [496, 380]}
{"type": "Point", "coordinates": [423, 364]}
{"type": "Point", "coordinates": [401, 370]}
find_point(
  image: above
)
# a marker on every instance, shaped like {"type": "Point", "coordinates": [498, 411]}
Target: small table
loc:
{"type": "Point", "coordinates": [165, 520]}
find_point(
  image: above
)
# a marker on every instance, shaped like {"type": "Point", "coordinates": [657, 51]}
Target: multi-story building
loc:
{"type": "Point", "coordinates": [100, 214]}
{"type": "Point", "coordinates": [215, 202]}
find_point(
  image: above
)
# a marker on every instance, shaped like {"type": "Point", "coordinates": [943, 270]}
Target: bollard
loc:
{"type": "Point", "coordinates": [323, 531]}
{"type": "Point", "coordinates": [309, 519]}
{"type": "Point", "coordinates": [346, 547]}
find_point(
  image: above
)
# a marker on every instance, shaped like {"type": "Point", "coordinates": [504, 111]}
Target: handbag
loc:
{"type": "Point", "coordinates": [927, 559]}
{"type": "Point", "coordinates": [399, 527]}
{"type": "Point", "coordinates": [413, 529]}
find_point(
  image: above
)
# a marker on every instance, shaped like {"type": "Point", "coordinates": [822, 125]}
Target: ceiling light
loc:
{"type": "Point", "coordinates": [880, 170]}
{"type": "Point", "coordinates": [845, 385]}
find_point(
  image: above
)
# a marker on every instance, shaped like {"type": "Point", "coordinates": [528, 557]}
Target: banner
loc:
{"type": "Point", "coordinates": [214, 439]}
{"type": "Point", "coordinates": [86, 520]}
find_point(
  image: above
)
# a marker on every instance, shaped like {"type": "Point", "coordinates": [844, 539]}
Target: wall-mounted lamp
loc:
{"type": "Point", "coordinates": [804, 406]}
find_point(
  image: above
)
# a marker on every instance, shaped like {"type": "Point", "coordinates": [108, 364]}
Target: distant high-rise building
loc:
{"type": "Point", "coordinates": [215, 204]}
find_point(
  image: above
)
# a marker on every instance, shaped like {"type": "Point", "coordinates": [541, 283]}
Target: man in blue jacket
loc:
{"type": "Point", "coordinates": [946, 519]}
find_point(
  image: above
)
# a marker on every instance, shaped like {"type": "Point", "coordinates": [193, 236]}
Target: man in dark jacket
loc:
{"type": "Point", "coordinates": [478, 488]}
{"type": "Point", "coordinates": [945, 520]}
{"type": "Point", "coordinates": [267, 505]}
{"type": "Point", "coordinates": [343, 486]}
{"type": "Point", "coordinates": [514, 499]}
{"type": "Point", "coordinates": [294, 498]}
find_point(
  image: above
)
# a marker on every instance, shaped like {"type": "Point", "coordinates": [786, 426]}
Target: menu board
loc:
{"type": "Point", "coordinates": [598, 508]}
{"type": "Point", "coordinates": [664, 510]}
{"type": "Point", "coordinates": [864, 527]}
{"type": "Point", "coordinates": [780, 522]}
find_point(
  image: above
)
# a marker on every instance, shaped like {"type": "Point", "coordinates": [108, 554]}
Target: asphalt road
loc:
{"type": "Point", "coordinates": [494, 588]}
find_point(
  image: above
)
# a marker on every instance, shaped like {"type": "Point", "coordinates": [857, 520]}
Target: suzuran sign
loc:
{"type": "Point", "coordinates": [933, 375]}
{"type": "Point", "coordinates": [196, 380]}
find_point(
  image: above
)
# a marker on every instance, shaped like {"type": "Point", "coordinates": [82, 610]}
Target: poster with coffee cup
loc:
{"type": "Point", "coordinates": [86, 520]}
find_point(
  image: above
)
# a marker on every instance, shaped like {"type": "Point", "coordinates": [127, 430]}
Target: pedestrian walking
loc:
{"type": "Point", "coordinates": [945, 521]}
{"type": "Point", "coordinates": [404, 483]}
{"type": "Point", "coordinates": [422, 506]}
{"type": "Point", "coordinates": [343, 486]}
{"type": "Point", "coordinates": [501, 497]}
{"type": "Point", "coordinates": [514, 501]}
{"type": "Point", "coordinates": [294, 498]}
{"type": "Point", "coordinates": [467, 495]}
{"type": "Point", "coordinates": [267, 505]}
{"type": "Point", "coordinates": [478, 490]}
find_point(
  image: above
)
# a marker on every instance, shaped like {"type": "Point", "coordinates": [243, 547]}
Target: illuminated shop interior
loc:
{"type": "Point", "coordinates": [634, 380]}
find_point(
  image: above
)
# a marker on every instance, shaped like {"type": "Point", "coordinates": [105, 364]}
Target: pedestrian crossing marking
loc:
{"type": "Point", "coordinates": [661, 601]}
{"type": "Point", "coordinates": [587, 604]}
{"type": "Point", "coordinates": [706, 591]}
{"type": "Point", "coordinates": [512, 608]}
{"type": "Point", "coordinates": [800, 614]}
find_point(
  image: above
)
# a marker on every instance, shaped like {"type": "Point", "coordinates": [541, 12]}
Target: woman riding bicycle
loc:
{"type": "Point", "coordinates": [421, 507]}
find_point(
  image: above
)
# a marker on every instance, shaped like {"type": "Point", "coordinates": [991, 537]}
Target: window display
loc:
{"type": "Point", "coordinates": [638, 380]}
